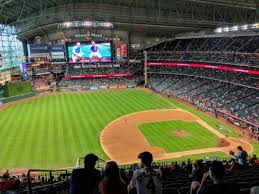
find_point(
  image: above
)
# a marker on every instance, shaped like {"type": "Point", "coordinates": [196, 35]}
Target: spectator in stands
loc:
{"type": "Point", "coordinates": [9, 182]}
{"type": "Point", "coordinates": [112, 182]}
{"type": "Point", "coordinates": [232, 163]}
{"type": "Point", "coordinates": [146, 180]}
{"type": "Point", "coordinates": [198, 171]}
{"type": "Point", "coordinates": [86, 180]}
{"type": "Point", "coordinates": [174, 167]}
{"type": "Point", "coordinates": [6, 174]}
{"type": "Point", "coordinates": [125, 176]}
{"type": "Point", "coordinates": [254, 190]}
{"type": "Point", "coordinates": [189, 166]}
{"type": "Point", "coordinates": [241, 157]}
{"type": "Point", "coordinates": [253, 160]}
{"type": "Point", "coordinates": [216, 174]}
{"type": "Point", "coordinates": [183, 166]}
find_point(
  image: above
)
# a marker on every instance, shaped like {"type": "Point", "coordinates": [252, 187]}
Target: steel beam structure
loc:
{"type": "Point", "coordinates": [30, 14]}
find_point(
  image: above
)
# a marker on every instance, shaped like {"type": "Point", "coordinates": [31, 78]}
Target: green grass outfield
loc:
{"type": "Point", "coordinates": [52, 131]}
{"type": "Point", "coordinates": [159, 134]}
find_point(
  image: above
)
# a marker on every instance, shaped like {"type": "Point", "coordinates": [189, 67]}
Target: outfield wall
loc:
{"type": "Point", "coordinates": [14, 98]}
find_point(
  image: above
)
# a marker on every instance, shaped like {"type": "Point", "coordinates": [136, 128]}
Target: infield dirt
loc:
{"type": "Point", "coordinates": [122, 140]}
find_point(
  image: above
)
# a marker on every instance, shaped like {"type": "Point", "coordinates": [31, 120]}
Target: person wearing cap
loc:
{"type": "Point", "coordinates": [219, 186]}
{"type": "Point", "coordinates": [146, 180]}
{"type": "Point", "coordinates": [86, 180]}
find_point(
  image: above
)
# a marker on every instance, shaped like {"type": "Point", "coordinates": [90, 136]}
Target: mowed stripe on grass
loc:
{"type": "Point", "coordinates": [52, 131]}
{"type": "Point", "coordinates": [160, 134]}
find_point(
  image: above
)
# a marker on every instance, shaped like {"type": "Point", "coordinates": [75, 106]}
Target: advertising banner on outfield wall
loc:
{"type": "Point", "coordinates": [94, 88]}
{"type": "Point", "coordinates": [206, 66]}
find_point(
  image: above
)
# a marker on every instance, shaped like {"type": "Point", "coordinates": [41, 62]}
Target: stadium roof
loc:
{"type": "Point", "coordinates": [180, 15]}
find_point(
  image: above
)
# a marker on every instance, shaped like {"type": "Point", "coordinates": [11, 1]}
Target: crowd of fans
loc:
{"type": "Point", "coordinates": [103, 69]}
{"type": "Point", "coordinates": [235, 176]}
{"type": "Point", "coordinates": [242, 50]}
{"type": "Point", "coordinates": [210, 90]}
{"type": "Point", "coordinates": [132, 81]}
{"type": "Point", "coordinates": [228, 76]}
{"type": "Point", "coordinates": [43, 82]}
{"type": "Point", "coordinates": [33, 182]}
{"type": "Point", "coordinates": [47, 69]}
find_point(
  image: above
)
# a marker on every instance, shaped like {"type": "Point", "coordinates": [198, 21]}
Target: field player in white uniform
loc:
{"type": "Point", "coordinates": [146, 180]}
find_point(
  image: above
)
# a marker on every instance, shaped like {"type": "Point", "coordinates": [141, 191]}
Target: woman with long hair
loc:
{"type": "Point", "coordinates": [112, 182]}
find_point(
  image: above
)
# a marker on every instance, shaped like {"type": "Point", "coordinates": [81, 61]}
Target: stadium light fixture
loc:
{"type": "Point", "coordinates": [244, 27]}
{"type": "Point", "coordinates": [226, 29]}
{"type": "Point", "coordinates": [218, 30]}
{"type": "Point", "coordinates": [234, 28]}
{"type": "Point", "coordinates": [255, 26]}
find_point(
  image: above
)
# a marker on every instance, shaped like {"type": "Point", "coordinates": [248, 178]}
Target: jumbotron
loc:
{"type": "Point", "coordinates": [129, 97]}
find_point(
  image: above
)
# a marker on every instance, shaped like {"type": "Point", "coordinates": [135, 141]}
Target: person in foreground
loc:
{"type": "Point", "coordinates": [219, 186]}
{"type": "Point", "coordinates": [146, 180]}
{"type": "Point", "coordinates": [112, 182]}
{"type": "Point", "coordinates": [86, 180]}
{"type": "Point", "coordinates": [254, 190]}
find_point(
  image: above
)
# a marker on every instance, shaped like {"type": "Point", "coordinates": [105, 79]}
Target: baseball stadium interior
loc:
{"type": "Point", "coordinates": [129, 97]}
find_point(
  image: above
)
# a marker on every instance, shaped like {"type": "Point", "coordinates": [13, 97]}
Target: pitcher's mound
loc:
{"type": "Point", "coordinates": [180, 133]}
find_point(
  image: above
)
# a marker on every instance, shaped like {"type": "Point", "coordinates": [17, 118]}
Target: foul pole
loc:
{"type": "Point", "coordinates": [145, 67]}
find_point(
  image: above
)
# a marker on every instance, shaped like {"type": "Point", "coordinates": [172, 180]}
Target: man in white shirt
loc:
{"type": "Point", "coordinates": [77, 53]}
{"type": "Point", "coordinates": [146, 180]}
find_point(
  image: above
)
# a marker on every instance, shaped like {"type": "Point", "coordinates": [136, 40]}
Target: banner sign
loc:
{"type": "Point", "coordinates": [23, 68]}
{"type": "Point", "coordinates": [206, 66]}
{"type": "Point", "coordinates": [57, 48]}
{"type": "Point", "coordinates": [57, 51]}
{"type": "Point", "coordinates": [89, 34]}
{"type": "Point", "coordinates": [97, 76]}
{"type": "Point", "coordinates": [94, 88]}
{"type": "Point", "coordinates": [135, 46]}
{"type": "Point", "coordinates": [121, 50]}
{"type": "Point", "coordinates": [38, 50]}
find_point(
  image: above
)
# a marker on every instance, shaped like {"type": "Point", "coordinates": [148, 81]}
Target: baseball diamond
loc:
{"type": "Point", "coordinates": [46, 123]}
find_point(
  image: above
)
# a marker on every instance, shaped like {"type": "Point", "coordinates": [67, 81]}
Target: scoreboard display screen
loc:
{"type": "Point", "coordinates": [89, 52]}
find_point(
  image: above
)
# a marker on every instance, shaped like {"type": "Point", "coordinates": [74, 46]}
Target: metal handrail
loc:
{"type": "Point", "coordinates": [30, 189]}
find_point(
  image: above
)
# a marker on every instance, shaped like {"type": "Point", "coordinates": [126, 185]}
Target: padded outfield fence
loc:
{"type": "Point", "coordinates": [15, 98]}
